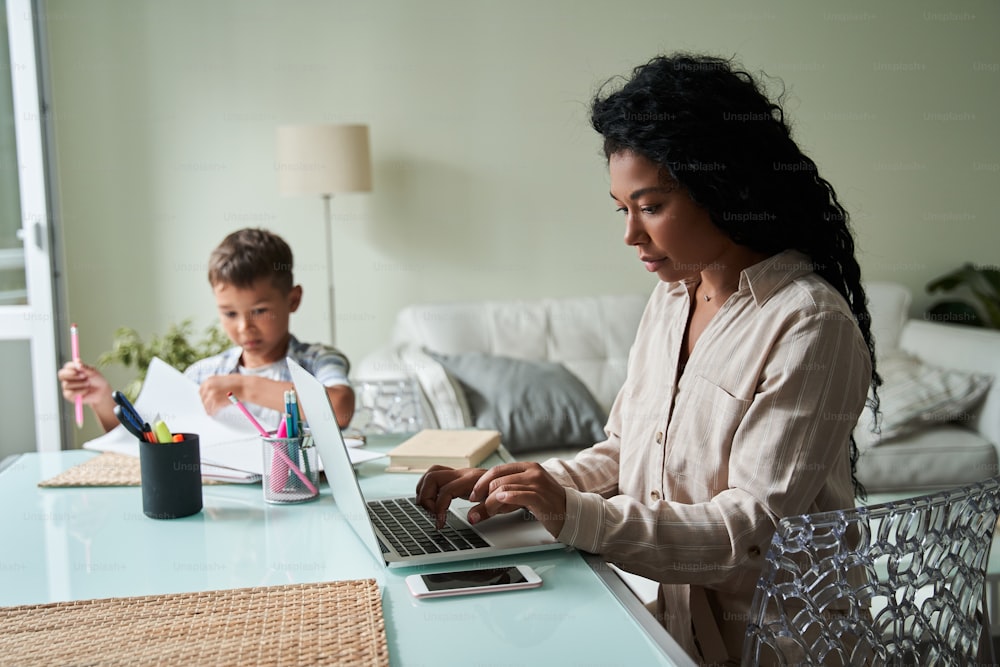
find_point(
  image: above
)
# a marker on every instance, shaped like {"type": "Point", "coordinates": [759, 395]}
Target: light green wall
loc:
{"type": "Point", "coordinates": [17, 399]}
{"type": "Point", "coordinates": [488, 179]}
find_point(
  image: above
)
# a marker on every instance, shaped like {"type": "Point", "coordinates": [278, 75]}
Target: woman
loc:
{"type": "Point", "coordinates": [751, 364]}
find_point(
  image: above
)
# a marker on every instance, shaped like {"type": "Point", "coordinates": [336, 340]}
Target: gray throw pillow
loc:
{"type": "Point", "coordinates": [534, 404]}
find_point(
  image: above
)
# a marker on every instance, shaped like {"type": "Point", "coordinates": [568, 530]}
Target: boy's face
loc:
{"type": "Point", "coordinates": [256, 319]}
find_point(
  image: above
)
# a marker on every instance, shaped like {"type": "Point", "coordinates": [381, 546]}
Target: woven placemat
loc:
{"type": "Point", "coordinates": [106, 469]}
{"type": "Point", "coordinates": [328, 623]}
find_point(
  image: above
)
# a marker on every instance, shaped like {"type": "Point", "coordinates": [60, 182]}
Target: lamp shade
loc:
{"type": "Point", "coordinates": [323, 159]}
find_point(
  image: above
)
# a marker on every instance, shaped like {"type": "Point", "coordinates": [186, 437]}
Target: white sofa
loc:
{"type": "Point", "coordinates": [941, 453]}
{"type": "Point", "coordinates": [591, 337]}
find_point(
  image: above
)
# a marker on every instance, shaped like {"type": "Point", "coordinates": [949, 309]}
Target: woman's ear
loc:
{"type": "Point", "coordinates": [294, 298]}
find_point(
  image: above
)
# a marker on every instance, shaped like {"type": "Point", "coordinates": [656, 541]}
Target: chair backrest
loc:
{"type": "Point", "coordinates": [896, 583]}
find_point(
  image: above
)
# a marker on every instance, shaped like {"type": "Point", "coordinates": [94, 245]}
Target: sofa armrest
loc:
{"type": "Point", "coordinates": [965, 348]}
{"type": "Point", "coordinates": [889, 306]}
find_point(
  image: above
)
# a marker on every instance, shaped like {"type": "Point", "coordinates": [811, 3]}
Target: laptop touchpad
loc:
{"type": "Point", "coordinates": [512, 529]}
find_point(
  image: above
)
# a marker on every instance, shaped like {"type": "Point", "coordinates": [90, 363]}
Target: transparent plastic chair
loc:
{"type": "Point", "coordinates": [898, 583]}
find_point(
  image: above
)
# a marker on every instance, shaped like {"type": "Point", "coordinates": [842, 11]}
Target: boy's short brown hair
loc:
{"type": "Point", "coordinates": [247, 255]}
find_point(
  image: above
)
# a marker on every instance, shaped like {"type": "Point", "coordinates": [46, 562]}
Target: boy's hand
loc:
{"type": "Point", "coordinates": [79, 379]}
{"type": "Point", "coordinates": [214, 391]}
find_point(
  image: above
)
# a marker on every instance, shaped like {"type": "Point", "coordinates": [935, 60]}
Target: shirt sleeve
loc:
{"type": "Point", "coordinates": [203, 368]}
{"type": "Point", "coordinates": [790, 446]}
{"type": "Point", "coordinates": [191, 373]}
{"type": "Point", "coordinates": [597, 468]}
{"type": "Point", "coordinates": [328, 364]}
{"type": "Point", "coordinates": [594, 469]}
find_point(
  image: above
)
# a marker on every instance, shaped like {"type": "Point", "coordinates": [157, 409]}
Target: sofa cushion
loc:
{"type": "Point", "coordinates": [915, 395]}
{"type": "Point", "coordinates": [965, 348]}
{"type": "Point", "coordinates": [937, 457]}
{"type": "Point", "coordinates": [534, 404]}
{"type": "Point", "coordinates": [445, 406]}
{"type": "Point", "coordinates": [590, 336]}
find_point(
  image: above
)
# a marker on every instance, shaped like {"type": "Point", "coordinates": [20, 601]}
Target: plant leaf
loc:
{"type": "Point", "coordinates": [177, 347]}
{"type": "Point", "coordinates": [949, 281]}
{"type": "Point", "coordinates": [992, 278]}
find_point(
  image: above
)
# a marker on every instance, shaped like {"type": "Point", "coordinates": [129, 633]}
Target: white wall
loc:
{"type": "Point", "coordinates": [488, 180]}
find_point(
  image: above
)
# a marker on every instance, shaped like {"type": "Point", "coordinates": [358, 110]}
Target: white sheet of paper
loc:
{"type": "Point", "coordinates": [226, 439]}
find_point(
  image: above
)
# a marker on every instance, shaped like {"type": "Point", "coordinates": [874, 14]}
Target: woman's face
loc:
{"type": "Point", "coordinates": [675, 237]}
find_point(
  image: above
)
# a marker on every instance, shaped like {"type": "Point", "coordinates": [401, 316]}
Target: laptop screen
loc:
{"type": "Point", "coordinates": [332, 450]}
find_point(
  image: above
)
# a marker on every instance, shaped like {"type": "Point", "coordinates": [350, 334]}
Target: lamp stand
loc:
{"type": "Point", "coordinates": [329, 267]}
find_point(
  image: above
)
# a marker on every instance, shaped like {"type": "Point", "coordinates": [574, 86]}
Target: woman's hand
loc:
{"type": "Point", "coordinates": [507, 487]}
{"type": "Point", "coordinates": [440, 485]}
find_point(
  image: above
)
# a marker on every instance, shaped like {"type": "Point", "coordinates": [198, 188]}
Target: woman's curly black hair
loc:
{"type": "Point", "coordinates": [711, 126]}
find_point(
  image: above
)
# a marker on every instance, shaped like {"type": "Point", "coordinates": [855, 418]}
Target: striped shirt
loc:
{"type": "Point", "coordinates": [328, 364]}
{"type": "Point", "coordinates": [696, 471]}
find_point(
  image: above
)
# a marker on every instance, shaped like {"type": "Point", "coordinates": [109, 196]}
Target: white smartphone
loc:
{"type": "Point", "coordinates": [466, 582]}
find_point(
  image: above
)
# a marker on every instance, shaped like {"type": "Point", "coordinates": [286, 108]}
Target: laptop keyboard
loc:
{"type": "Point", "coordinates": [411, 531]}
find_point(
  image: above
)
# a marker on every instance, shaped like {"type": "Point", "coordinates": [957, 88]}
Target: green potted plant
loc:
{"type": "Point", "coordinates": [177, 347]}
{"type": "Point", "coordinates": [983, 282]}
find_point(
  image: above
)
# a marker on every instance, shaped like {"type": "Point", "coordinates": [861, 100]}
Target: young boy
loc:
{"type": "Point", "coordinates": [251, 276]}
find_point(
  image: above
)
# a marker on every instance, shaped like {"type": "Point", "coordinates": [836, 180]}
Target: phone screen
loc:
{"type": "Point", "coordinates": [446, 581]}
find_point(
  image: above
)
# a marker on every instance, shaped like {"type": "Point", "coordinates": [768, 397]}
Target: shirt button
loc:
{"type": "Point", "coordinates": [753, 551]}
{"type": "Point", "coordinates": [659, 437]}
{"type": "Point", "coordinates": [655, 495]}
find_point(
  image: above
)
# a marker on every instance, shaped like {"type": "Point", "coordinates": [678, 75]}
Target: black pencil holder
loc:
{"type": "Point", "coordinates": [171, 478]}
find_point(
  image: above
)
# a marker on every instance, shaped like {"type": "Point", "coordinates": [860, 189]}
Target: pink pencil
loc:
{"type": "Point", "coordinates": [291, 466]}
{"type": "Point", "coordinates": [243, 409]}
{"type": "Point", "coordinates": [279, 469]}
{"type": "Point", "coordinates": [294, 468]}
{"type": "Point", "coordinates": [74, 341]}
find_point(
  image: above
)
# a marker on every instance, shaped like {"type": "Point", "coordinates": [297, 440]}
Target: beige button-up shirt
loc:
{"type": "Point", "coordinates": [698, 466]}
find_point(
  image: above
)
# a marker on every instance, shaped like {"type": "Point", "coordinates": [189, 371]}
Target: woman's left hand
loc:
{"type": "Point", "coordinates": [521, 484]}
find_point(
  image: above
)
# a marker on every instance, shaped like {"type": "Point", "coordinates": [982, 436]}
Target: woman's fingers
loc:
{"type": "Point", "coordinates": [488, 481]}
{"type": "Point", "coordinates": [531, 488]}
{"type": "Point", "coordinates": [440, 485]}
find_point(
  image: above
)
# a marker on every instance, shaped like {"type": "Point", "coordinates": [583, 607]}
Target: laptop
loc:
{"type": "Point", "coordinates": [397, 531]}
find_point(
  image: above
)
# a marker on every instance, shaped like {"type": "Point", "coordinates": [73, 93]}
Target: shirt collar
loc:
{"type": "Point", "coordinates": [231, 357]}
{"type": "Point", "coordinates": [768, 276]}
{"type": "Point", "coordinates": [229, 361]}
{"type": "Point", "coordinates": [765, 277]}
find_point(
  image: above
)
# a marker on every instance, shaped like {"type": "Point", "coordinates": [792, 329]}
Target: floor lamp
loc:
{"type": "Point", "coordinates": [324, 160]}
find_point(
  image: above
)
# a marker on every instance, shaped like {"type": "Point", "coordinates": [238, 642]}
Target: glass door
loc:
{"type": "Point", "coordinates": [28, 313]}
